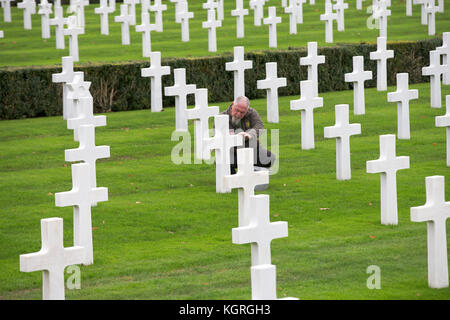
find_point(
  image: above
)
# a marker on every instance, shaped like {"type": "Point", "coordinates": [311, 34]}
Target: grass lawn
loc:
{"type": "Point", "coordinates": [166, 234]}
{"type": "Point", "coordinates": [22, 47]}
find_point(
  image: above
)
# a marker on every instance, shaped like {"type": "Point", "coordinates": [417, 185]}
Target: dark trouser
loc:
{"type": "Point", "coordinates": [261, 157]}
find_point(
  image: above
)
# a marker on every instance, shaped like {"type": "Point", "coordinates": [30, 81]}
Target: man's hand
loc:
{"type": "Point", "coordinates": [245, 134]}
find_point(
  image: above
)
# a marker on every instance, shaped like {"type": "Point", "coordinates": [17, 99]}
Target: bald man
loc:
{"type": "Point", "coordinates": [246, 121]}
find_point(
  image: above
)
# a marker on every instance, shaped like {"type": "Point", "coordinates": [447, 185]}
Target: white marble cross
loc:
{"type": "Point", "coordinates": [342, 131]}
{"type": "Point", "coordinates": [180, 90]}
{"type": "Point", "coordinates": [29, 7]}
{"type": "Point", "coordinates": [201, 114]}
{"type": "Point", "coordinates": [307, 103]}
{"type": "Point", "coordinates": [146, 28]}
{"type": "Point", "coordinates": [238, 66]}
{"type": "Point", "coordinates": [52, 259]}
{"type": "Point", "coordinates": [444, 51]}
{"type": "Point", "coordinates": [210, 5]}
{"type": "Point", "coordinates": [104, 10]}
{"type": "Point", "coordinates": [402, 97]}
{"type": "Point", "coordinates": [381, 56]}
{"type": "Point", "coordinates": [76, 89]}
{"type": "Point", "coordinates": [223, 143]}
{"type": "Point", "coordinates": [258, 7]}
{"type": "Point", "coordinates": [260, 231]}
{"type": "Point", "coordinates": [292, 11]}
{"type": "Point", "coordinates": [434, 70]}
{"type": "Point", "coordinates": [82, 196]}
{"type": "Point", "coordinates": [177, 8]}
{"type": "Point", "coordinates": [155, 72]}
{"type": "Point", "coordinates": [423, 15]}
{"type": "Point", "coordinates": [430, 10]}
{"type": "Point", "coordinates": [158, 9]}
{"type": "Point", "coordinates": [299, 8]}
{"type": "Point", "coordinates": [271, 84]}
{"type": "Point", "coordinates": [444, 121]}
{"type": "Point", "coordinates": [245, 180]}
{"type": "Point", "coordinates": [272, 20]}
{"type": "Point", "coordinates": [212, 24]}
{"type": "Point", "coordinates": [73, 31]}
{"type": "Point", "coordinates": [357, 77]}
{"type": "Point", "coordinates": [435, 212]}
{"type": "Point", "coordinates": [239, 13]}
{"type": "Point", "coordinates": [132, 10]}
{"type": "Point", "coordinates": [85, 110]}
{"type": "Point", "coordinates": [45, 9]}
{"type": "Point", "coordinates": [312, 60]}
{"type": "Point", "coordinates": [328, 17]}
{"type": "Point", "coordinates": [220, 10]}
{"type": "Point", "coordinates": [125, 19]}
{"type": "Point", "coordinates": [77, 7]}
{"type": "Point", "coordinates": [381, 13]}
{"type": "Point", "coordinates": [65, 76]}
{"type": "Point", "coordinates": [183, 15]}
{"type": "Point", "coordinates": [340, 6]}
{"type": "Point", "coordinates": [6, 5]}
{"type": "Point", "coordinates": [359, 4]}
{"type": "Point", "coordinates": [59, 21]}
{"type": "Point", "coordinates": [388, 164]}
{"type": "Point", "coordinates": [408, 8]}
{"type": "Point", "coordinates": [88, 151]}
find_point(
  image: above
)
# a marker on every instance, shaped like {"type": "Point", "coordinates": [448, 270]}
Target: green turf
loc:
{"type": "Point", "coordinates": [166, 234]}
{"type": "Point", "coordinates": [22, 47]}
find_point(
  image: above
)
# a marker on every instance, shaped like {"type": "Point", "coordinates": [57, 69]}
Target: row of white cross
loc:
{"type": "Point", "coordinates": [53, 257]}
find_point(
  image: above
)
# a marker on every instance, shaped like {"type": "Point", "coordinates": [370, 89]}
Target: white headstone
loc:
{"type": "Point", "coordinates": [434, 70]}
{"type": "Point", "coordinates": [444, 51]}
{"type": "Point", "coordinates": [223, 143]}
{"type": "Point", "coordinates": [201, 114]}
{"type": "Point", "coordinates": [88, 151]}
{"type": "Point", "coordinates": [82, 196]}
{"type": "Point", "coordinates": [66, 76]}
{"type": "Point", "coordinates": [239, 13]}
{"type": "Point", "coordinates": [342, 131]}
{"type": "Point", "coordinates": [73, 31]}
{"type": "Point", "coordinates": [245, 180]}
{"type": "Point", "coordinates": [387, 165]}
{"type": "Point", "coordinates": [59, 21]}
{"type": "Point", "coordinates": [271, 85]}
{"type": "Point", "coordinates": [260, 231]}
{"type": "Point", "coordinates": [359, 4]}
{"type": "Point", "coordinates": [177, 3]}
{"type": "Point", "coordinates": [180, 90]}
{"type": "Point", "coordinates": [77, 7]}
{"type": "Point", "coordinates": [312, 60]}
{"type": "Point", "coordinates": [444, 121]}
{"type": "Point", "coordinates": [435, 212]}
{"type": "Point", "coordinates": [292, 11]}
{"type": "Point", "coordinates": [6, 5]}
{"type": "Point", "coordinates": [220, 10]}
{"type": "Point", "coordinates": [263, 278]}
{"type": "Point", "coordinates": [357, 77]}
{"type": "Point", "coordinates": [328, 17]}
{"type": "Point", "coordinates": [104, 10]}
{"type": "Point", "coordinates": [158, 9]}
{"type": "Point", "coordinates": [340, 6]}
{"type": "Point", "coordinates": [430, 10]}
{"type": "Point", "coordinates": [85, 110]}
{"type": "Point", "coordinates": [381, 13]}
{"type": "Point", "coordinates": [210, 5]}
{"type": "Point", "coordinates": [409, 8]}
{"type": "Point", "coordinates": [183, 15]}
{"type": "Point", "coordinates": [299, 7]}
{"type": "Point", "coordinates": [238, 66]}
{"type": "Point", "coordinates": [381, 56]}
{"type": "Point", "coordinates": [402, 97]}
{"type": "Point", "coordinates": [258, 7]}
{"type": "Point", "coordinates": [212, 24]}
{"type": "Point", "coordinates": [146, 28]}
{"type": "Point", "coordinates": [45, 9]}
{"type": "Point", "coordinates": [307, 103]}
{"type": "Point", "coordinates": [272, 20]}
{"type": "Point", "coordinates": [132, 10]}
{"type": "Point", "coordinates": [125, 19]}
{"type": "Point", "coordinates": [155, 72]}
{"type": "Point", "coordinates": [52, 259]}
{"type": "Point", "coordinates": [1, 34]}
{"type": "Point", "coordinates": [29, 8]}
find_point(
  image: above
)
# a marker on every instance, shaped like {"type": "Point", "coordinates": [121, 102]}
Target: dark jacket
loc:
{"type": "Point", "coordinates": [251, 122]}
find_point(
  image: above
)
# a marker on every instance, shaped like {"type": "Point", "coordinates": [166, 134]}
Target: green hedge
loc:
{"type": "Point", "coordinates": [29, 92]}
